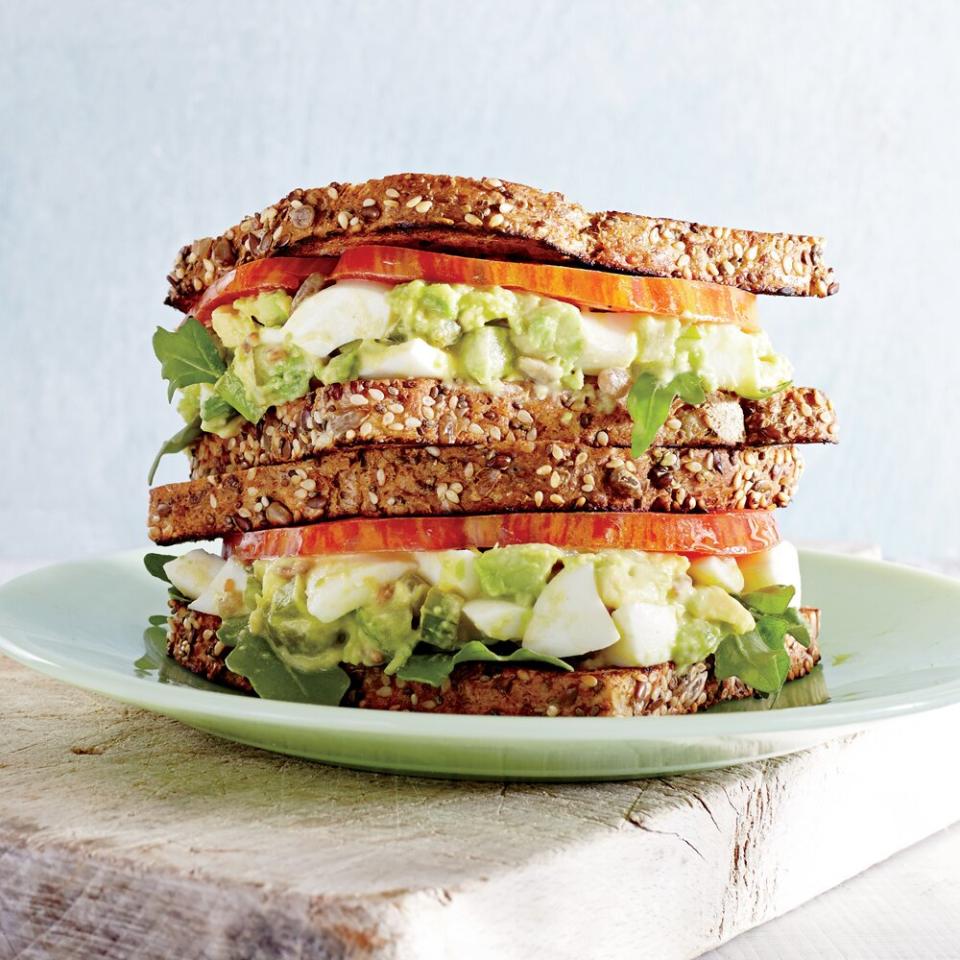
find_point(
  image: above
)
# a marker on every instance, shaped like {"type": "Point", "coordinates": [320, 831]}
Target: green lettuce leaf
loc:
{"type": "Point", "coordinates": [187, 355]}
{"type": "Point", "coordinates": [759, 658]}
{"type": "Point", "coordinates": [649, 401]}
{"type": "Point", "coordinates": [254, 658]}
{"type": "Point", "coordinates": [179, 441]}
{"type": "Point", "coordinates": [750, 658]}
{"type": "Point", "coordinates": [155, 562]}
{"type": "Point", "coordinates": [434, 668]}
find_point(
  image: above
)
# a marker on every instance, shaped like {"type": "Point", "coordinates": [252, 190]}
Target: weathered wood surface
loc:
{"type": "Point", "coordinates": [125, 835]}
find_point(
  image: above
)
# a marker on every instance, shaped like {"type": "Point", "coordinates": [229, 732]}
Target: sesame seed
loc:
{"type": "Point", "coordinates": [553, 710]}
{"type": "Point", "coordinates": [603, 438]}
{"type": "Point", "coordinates": [554, 480]}
{"type": "Point", "coordinates": [413, 699]}
{"type": "Point", "coordinates": [556, 499]}
{"type": "Point", "coordinates": [343, 218]}
{"type": "Point", "coordinates": [433, 451]}
{"type": "Point", "coordinates": [384, 691]}
{"type": "Point", "coordinates": [213, 502]}
{"type": "Point", "coordinates": [495, 220]}
{"type": "Point", "coordinates": [388, 418]}
{"type": "Point", "coordinates": [411, 423]}
{"type": "Point", "coordinates": [332, 193]}
{"type": "Point", "coordinates": [366, 428]}
{"type": "Point", "coordinates": [556, 451]}
{"type": "Point", "coordinates": [395, 407]}
{"type": "Point", "coordinates": [544, 470]}
{"type": "Point", "coordinates": [473, 220]}
{"type": "Point", "coordinates": [476, 429]}
{"type": "Point", "coordinates": [357, 400]}
{"type": "Point", "coordinates": [393, 194]}
{"type": "Point", "coordinates": [581, 458]}
{"type": "Point", "coordinates": [381, 476]}
{"type": "Point", "coordinates": [374, 499]}
{"type": "Point", "coordinates": [538, 498]}
{"type": "Point", "coordinates": [493, 182]}
{"type": "Point", "coordinates": [506, 207]}
{"type": "Point", "coordinates": [369, 202]}
{"type": "Point", "coordinates": [674, 424]}
{"type": "Point", "coordinates": [683, 260]}
{"type": "Point", "coordinates": [424, 206]}
{"type": "Point", "coordinates": [468, 471]}
{"type": "Point", "coordinates": [589, 682]}
{"type": "Point", "coordinates": [581, 501]}
{"type": "Point", "coordinates": [453, 496]}
{"type": "Point", "coordinates": [413, 201]}
{"type": "Point", "coordinates": [524, 417]}
{"type": "Point", "coordinates": [375, 394]}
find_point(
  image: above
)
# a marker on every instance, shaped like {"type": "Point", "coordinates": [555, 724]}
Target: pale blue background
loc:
{"type": "Point", "coordinates": [130, 128]}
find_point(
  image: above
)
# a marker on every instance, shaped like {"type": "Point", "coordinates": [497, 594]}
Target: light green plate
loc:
{"type": "Point", "coordinates": [891, 646]}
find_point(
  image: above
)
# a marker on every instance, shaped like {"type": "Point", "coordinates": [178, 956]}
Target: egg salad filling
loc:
{"type": "Point", "coordinates": [419, 614]}
{"type": "Point", "coordinates": [272, 348]}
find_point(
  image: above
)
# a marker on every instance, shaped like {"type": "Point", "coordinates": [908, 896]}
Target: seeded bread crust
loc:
{"type": "Point", "coordinates": [507, 691]}
{"type": "Point", "coordinates": [498, 219]}
{"type": "Point", "coordinates": [427, 481]}
{"type": "Point", "coordinates": [429, 412]}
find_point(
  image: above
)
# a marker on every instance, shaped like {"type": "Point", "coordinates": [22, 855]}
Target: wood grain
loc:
{"type": "Point", "coordinates": [124, 835]}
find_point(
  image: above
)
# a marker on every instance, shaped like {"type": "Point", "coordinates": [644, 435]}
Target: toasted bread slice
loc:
{"type": "Point", "coordinates": [418, 481]}
{"type": "Point", "coordinates": [497, 219]}
{"type": "Point", "coordinates": [431, 412]}
{"type": "Point", "coordinates": [510, 690]}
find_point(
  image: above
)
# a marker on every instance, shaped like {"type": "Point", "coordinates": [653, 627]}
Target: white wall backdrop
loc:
{"type": "Point", "coordinates": [127, 129]}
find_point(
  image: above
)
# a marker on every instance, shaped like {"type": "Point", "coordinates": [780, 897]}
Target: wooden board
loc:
{"type": "Point", "coordinates": [123, 834]}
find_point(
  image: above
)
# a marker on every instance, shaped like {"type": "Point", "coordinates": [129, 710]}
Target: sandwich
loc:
{"type": "Point", "coordinates": [471, 448]}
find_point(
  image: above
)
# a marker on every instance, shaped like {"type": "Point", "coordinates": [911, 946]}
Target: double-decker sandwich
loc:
{"type": "Point", "coordinates": [472, 448]}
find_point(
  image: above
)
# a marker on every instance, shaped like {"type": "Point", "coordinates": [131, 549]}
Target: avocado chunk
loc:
{"type": "Point", "coordinates": [440, 619]}
{"type": "Point", "coordinates": [518, 572]}
{"type": "Point", "coordinates": [270, 308]}
{"type": "Point", "coordinates": [486, 354]}
{"type": "Point", "coordinates": [386, 630]}
{"type": "Point", "coordinates": [425, 310]}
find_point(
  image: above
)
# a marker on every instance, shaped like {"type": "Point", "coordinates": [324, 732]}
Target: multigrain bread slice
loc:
{"type": "Point", "coordinates": [432, 412]}
{"type": "Point", "coordinates": [498, 219]}
{"type": "Point", "coordinates": [415, 481]}
{"type": "Point", "coordinates": [508, 691]}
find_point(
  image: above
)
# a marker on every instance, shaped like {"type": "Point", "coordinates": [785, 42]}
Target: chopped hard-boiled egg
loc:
{"type": "Point", "coordinates": [499, 619]}
{"type": "Point", "coordinates": [778, 566]}
{"type": "Point", "coordinates": [412, 358]}
{"type": "Point", "coordinates": [223, 596]}
{"type": "Point", "coordinates": [345, 311]}
{"type": "Point", "coordinates": [717, 572]}
{"type": "Point", "coordinates": [609, 341]}
{"type": "Point", "coordinates": [569, 618]}
{"type": "Point", "coordinates": [648, 632]}
{"type": "Point", "coordinates": [193, 572]}
{"type": "Point", "coordinates": [451, 570]}
{"type": "Point", "coordinates": [341, 586]}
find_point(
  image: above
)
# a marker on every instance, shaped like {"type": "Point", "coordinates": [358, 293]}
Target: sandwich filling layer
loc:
{"type": "Point", "coordinates": [269, 349]}
{"type": "Point", "coordinates": [418, 614]}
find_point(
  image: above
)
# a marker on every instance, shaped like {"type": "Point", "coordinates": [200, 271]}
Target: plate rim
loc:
{"type": "Point", "coordinates": [172, 699]}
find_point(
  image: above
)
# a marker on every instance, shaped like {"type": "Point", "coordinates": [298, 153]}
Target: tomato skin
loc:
{"type": "Point", "coordinates": [718, 534]}
{"type": "Point", "coordinates": [274, 273]}
{"type": "Point", "coordinates": [690, 300]}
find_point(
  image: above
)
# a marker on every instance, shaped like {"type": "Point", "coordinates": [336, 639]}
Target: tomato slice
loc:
{"type": "Point", "coordinates": [690, 300]}
{"type": "Point", "coordinates": [719, 534]}
{"type": "Point", "coordinates": [274, 273]}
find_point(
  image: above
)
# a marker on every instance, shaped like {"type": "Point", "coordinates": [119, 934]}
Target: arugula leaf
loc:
{"type": "Point", "coordinates": [434, 668]}
{"type": "Point", "coordinates": [230, 630]}
{"type": "Point", "coordinates": [752, 660]}
{"type": "Point", "coordinates": [255, 659]}
{"type": "Point", "coordinates": [179, 441]}
{"type": "Point", "coordinates": [233, 392]}
{"type": "Point", "coordinates": [649, 402]}
{"type": "Point", "coordinates": [759, 658]}
{"type": "Point", "coordinates": [775, 617]}
{"type": "Point", "coordinates": [187, 355]}
{"type": "Point", "coordinates": [158, 620]}
{"type": "Point", "coordinates": [154, 562]}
